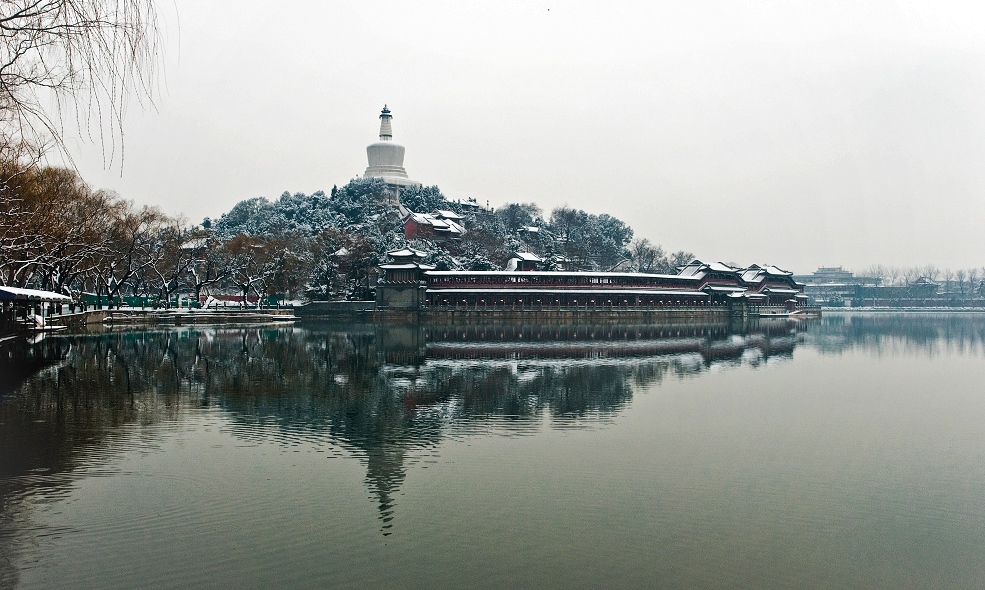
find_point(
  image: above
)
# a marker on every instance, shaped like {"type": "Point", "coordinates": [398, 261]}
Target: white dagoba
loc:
{"type": "Point", "coordinates": [386, 158]}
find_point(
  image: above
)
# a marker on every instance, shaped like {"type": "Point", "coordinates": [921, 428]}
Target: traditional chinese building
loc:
{"type": "Point", "coordinates": [400, 287]}
{"type": "Point", "coordinates": [524, 262]}
{"type": "Point", "coordinates": [697, 285]}
{"type": "Point", "coordinates": [437, 226]}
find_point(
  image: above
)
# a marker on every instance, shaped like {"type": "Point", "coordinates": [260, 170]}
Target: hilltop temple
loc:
{"type": "Point", "coordinates": [386, 158]}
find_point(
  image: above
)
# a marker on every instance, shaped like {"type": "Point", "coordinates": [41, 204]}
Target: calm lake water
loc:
{"type": "Point", "coordinates": [847, 452]}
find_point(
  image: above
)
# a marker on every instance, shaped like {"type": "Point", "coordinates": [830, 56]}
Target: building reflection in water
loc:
{"type": "Point", "coordinates": [385, 394]}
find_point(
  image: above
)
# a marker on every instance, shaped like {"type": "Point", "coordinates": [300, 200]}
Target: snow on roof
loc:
{"type": "Point", "coordinates": [692, 268]}
{"type": "Point", "coordinates": [443, 213]}
{"type": "Point", "coordinates": [343, 251]}
{"type": "Point", "coordinates": [554, 273]}
{"type": "Point", "coordinates": [753, 275]}
{"type": "Point", "coordinates": [438, 224]}
{"type": "Point", "coordinates": [756, 273]}
{"type": "Point", "coordinates": [406, 266]}
{"type": "Point", "coordinates": [528, 256]}
{"type": "Point", "coordinates": [18, 294]}
{"type": "Point", "coordinates": [774, 270]}
{"type": "Point", "coordinates": [405, 252]}
{"type": "Point", "coordinates": [720, 267]}
{"type": "Point", "coordinates": [195, 243]}
{"type": "Point", "coordinates": [446, 229]}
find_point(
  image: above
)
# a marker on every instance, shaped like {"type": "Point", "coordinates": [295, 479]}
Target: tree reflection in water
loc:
{"type": "Point", "coordinates": [911, 333]}
{"type": "Point", "coordinates": [379, 392]}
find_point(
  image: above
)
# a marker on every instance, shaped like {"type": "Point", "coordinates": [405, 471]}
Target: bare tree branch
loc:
{"type": "Point", "coordinates": [75, 61]}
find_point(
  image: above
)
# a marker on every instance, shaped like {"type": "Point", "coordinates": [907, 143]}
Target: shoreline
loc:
{"type": "Point", "coordinates": [954, 310]}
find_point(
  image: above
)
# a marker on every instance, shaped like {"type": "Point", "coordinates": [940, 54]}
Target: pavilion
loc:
{"type": "Point", "coordinates": [17, 304]}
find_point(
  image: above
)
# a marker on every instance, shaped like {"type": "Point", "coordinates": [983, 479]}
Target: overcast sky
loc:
{"type": "Point", "coordinates": [792, 133]}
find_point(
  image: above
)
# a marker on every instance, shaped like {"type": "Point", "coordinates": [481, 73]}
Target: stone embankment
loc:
{"type": "Point", "coordinates": [124, 317]}
{"type": "Point", "coordinates": [335, 309]}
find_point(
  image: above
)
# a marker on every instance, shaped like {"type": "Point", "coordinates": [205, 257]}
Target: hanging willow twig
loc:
{"type": "Point", "coordinates": [75, 63]}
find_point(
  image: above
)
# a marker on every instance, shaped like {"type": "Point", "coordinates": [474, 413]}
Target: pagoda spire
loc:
{"type": "Point", "coordinates": [386, 132]}
{"type": "Point", "coordinates": [386, 159]}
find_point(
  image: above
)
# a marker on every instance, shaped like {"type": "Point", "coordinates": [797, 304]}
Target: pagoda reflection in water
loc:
{"type": "Point", "coordinates": [387, 395]}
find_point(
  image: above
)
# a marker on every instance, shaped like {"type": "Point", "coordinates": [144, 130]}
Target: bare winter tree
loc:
{"type": "Point", "coordinates": [877, 271]}
{"type": "Point", "coordinates": [647, 257]}
{"type": "Point", "coordinates": [74, 62]}
{"type": "Point", "coordinates": [960, 275]}
{"type": "Point", "coordinates": [209, 264]}
{"type": "Point", "coordinates": [894, 274]}
{"type": "Point", "coordinates": [52, 228]}
{"type": "Point", "coordinates": [680, 258]}
{"type": "Point", "coordinates": [130, 247]}
{"type": "Point", "coordinates": [173, 254]}
{"type": "Point", "coordinates": [948, 276]}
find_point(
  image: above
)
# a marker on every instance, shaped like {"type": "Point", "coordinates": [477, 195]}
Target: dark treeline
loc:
{"type": "Point", "coordinates": [59, 234]}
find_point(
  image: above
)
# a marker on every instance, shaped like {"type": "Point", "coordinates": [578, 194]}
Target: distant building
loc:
{"type": "Point", "coordinates": [828, 275]}
{"type": "Point", "coordinates": [386, 159]}
{"type": "Point", "coordinates": [833, 285]}
{"type": "Point", "coordinates": [524, 261]}
{"type": "Point", "coordinates": [447, 215]}
{"type": "Point", "coordinates": [831, 274]}
{"type": "Point", "coordinates": [437, 226]}
{"type": "Point", "coordinates": [922, 292]}
{"type": "Point", "coordinates": [470, 205]}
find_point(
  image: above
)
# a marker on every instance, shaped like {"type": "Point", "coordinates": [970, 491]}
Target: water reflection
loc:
{"type": "Point", "coordinates": [375, 391]}
{"type": "Point", "coordinates": [924, 334]}
{"type": "Point", "coordinates": [570, 371]}
{"type": "Point", "coordinates": [383, 392]}
{"type": "Point", "coordinates": [388, 395]}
